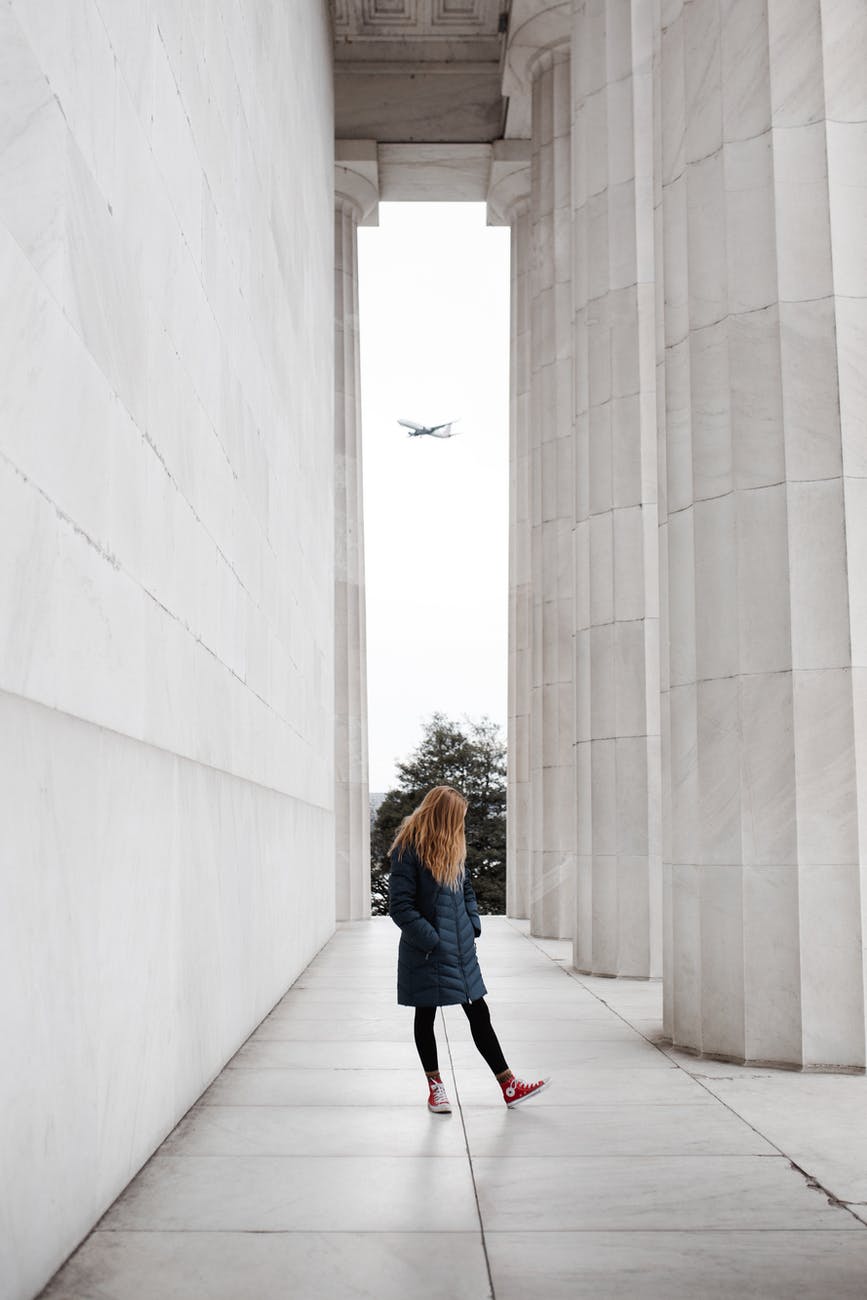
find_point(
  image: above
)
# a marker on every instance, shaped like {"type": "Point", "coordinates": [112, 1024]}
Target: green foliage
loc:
{"type": "Point", "coordinates": [472, 758]}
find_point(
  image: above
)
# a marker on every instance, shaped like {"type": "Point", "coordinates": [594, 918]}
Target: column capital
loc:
{"type": "Point", "coordinates": [509, 181]}
{"type": "Point", "coordinates": [356, 179]}
{"type": "Point", "coordinates": [540, 31]}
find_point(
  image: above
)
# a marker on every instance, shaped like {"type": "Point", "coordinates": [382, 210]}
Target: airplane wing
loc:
{"type": "Point", "coordinates": [411, 424]}
{"type": "Point", "coordinates": [443, 430]}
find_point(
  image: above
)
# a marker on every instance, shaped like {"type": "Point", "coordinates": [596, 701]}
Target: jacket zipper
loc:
{"type": "Point", "coordinates": [460, 958]}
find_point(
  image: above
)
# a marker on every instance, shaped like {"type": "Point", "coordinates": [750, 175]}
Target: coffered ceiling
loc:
{"type": "Point", "coordinates": [419, 71]}
{"type": "Point", "coordinates": [423, 29]}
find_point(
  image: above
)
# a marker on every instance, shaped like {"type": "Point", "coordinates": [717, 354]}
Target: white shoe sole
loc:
{"type": "Point", "coordinates": [440, 1110]}
{"type": "Point", "coordinates": [511, 1104]}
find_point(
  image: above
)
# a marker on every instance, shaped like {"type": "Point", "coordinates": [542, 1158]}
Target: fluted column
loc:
{"type": "Point", "coordinates": [662, 511]}
{"type": "Point", "coordinates": [764, 200]}
{"type": "Point", "coordinates": [619, 894]}
{"type": "Point", "coordinates": [509, 204]}
{"type": "Point", "coordinates": [354, 200]}
{"type": "Point", "coordinates": [538, 60]}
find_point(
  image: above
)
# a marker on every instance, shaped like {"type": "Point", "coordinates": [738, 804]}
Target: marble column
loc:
{"type": "Point", "coordinates": [662, 512]}
{"type": "Point", "coordinates": [619, 892]}
{"type": "Point", "coordinates": [509, 204]}
{"type": "Point", "coordinates": [538, 60]}
{"type": "Point", "coordinates": [355, 197]}
{"type": "Point", "coordinates": [764, 207]}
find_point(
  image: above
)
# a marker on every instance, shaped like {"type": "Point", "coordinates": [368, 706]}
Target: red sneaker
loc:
{"type": "Point", "coordinates": [438, 1100]}
{"type": "Point", "coordinates": [516, 1090]}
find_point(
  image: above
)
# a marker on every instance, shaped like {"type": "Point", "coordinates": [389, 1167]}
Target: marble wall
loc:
{"type": "Point", "coordinates": [166, 572]}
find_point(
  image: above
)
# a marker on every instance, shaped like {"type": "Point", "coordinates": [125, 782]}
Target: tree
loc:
{"type": "Point", "coordinates": [472, 758]}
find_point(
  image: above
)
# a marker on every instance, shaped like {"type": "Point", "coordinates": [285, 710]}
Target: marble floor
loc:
{"type": "Point", "coordinates": [312, 1169]}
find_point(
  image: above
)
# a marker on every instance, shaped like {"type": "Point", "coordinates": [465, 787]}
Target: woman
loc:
{"type": "Point", "coordinates": [432, 900]}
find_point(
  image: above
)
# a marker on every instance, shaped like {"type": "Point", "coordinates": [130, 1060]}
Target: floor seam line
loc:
{"type": "Point", "coordinates": [811, 1181]}
{"type": "Point", "coordinates": [466, 1232]}
{"type": "Point", "coordinates": [493, 1294]}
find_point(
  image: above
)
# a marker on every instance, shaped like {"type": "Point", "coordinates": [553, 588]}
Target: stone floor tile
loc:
{"type": "Point", "coordinates": [701, 1067]}
{"type": "Point", "coordinates": [314, 1131]}
{"type": "Point", "coordinates": [677, 1265]}
{"type": "Point", "coordinates": [380, 996]}
{"type": "Point", "coordinates": [337, 973]}
{"type": "Point", "coordinates": [623, 990]}
{"type": "Point", "coordinates": [540, 1009]}
{"type": "Point", "coordinates": [297, 1193]}
{"type": "Point", "coordinates": [558, 949]}
{"type": "Point", "coordinates": [578, 1053]}
{"type": "Point", "coordinates": [391, 1029]}
{"type": "Point", "coordinates": [310, 1053]}
{"type": "Point", "coordinates": [698, 1193]}
{"type": "Point", "coordinates": [599, 1029]}
{"type": "Point", "coordinates": [275, 1266]}
{"type": "Point", "coordinates": [820, 1121]}
{"type": "Point", "coordinates": [361, 1011]}
{"type": "Point", "coordinates": [520, 992]}
{"type": "Point", "coordinates": [650, 1027]}
{"type": "Point", "coordinates": [338, 1088]}
{"type": "Point", "coordinates": [571, 1086]}
{"type": "Point", "coordinates": [625, 1131]}
{"type": "Point", "coordinates": [630, 1011]}
{"type": "Point", "coordinates": [317, 1141]}
{"type": "Point", "coordinates": [351, 985]}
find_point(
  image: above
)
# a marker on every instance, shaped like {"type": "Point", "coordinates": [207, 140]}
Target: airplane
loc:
{"type": "Point", "coordinates": [434, 430]}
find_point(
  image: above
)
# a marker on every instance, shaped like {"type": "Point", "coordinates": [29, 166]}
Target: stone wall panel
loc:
{"type": "Point", "coordinates": [166, 569]}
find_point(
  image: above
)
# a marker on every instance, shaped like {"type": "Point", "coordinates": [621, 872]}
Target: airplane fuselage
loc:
{"type": "Point", "coordinates": [431, 431]}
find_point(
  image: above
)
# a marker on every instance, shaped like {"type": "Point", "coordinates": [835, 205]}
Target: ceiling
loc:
{"type": "Point", "coordinates": [419, 71]}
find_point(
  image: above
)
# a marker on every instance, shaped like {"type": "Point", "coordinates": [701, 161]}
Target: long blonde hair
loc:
{"type": "Point", "coordinates": [435, 829]}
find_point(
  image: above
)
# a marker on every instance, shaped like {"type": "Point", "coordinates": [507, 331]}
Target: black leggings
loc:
{"type": "Point", "coordinates": [480, 1027]}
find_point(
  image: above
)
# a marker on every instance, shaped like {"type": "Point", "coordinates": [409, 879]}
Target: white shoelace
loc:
{"type": "Point", "coordinates": [439, 1091]}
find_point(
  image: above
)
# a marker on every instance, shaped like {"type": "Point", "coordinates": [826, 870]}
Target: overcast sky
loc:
{"type": "Point", "coordinates": [434, 306]}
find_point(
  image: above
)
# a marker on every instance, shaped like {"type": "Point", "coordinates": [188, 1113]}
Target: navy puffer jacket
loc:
{"type": "Point", "coordinates": [436, 960]}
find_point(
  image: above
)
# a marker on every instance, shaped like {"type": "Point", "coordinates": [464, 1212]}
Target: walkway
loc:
{"type": "Point", "coordinates": [312, 1170]}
